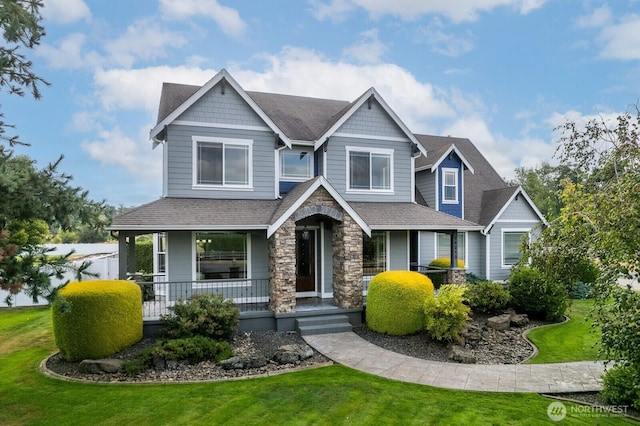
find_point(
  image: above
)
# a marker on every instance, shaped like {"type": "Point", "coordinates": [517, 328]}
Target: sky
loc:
{"type": "Point", "coordinates": [503, 73]}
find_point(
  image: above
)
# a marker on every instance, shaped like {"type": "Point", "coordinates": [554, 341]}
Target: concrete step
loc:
{"type": "Point", "coordinates": [323, 324]}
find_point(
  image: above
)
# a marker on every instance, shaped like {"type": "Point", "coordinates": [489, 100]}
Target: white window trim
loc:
{"type": "Point", "coordinates": [196, 283]}
{"type": "Point", "coordinates": [291, 178]}
{"type": "Point", "coordinates": [509, 230]}
{"type": "Point", "coordinates": [455, 172]}
{"type": "Point", "coordinates": [389, 152]}
{"type": "Point", "coordinates": [224, 141]}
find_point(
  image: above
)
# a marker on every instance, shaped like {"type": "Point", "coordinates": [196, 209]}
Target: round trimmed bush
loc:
{"type": "Point", "coordinates": [445, 262]}
{"type": "Point", "coordinates": [395, 302]}
{"type": "Point", "coordinates": [95, 319]}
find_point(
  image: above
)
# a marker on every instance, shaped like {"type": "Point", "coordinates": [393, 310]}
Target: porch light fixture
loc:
{"type": "Point", "coordinates": [305, 234]}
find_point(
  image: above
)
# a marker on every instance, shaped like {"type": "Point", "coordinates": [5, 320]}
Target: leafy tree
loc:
{"type": "Point", "coordinates": [31, 196]}
{"type": "Point", "coordinates": [544, 183]}
{"type": "Point", "coordinates": [600, 221]}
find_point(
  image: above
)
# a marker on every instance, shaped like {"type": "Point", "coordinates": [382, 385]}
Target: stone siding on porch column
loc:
{"type": "Point", "coordinates": [347, 264]}
{"type": "Point", "coordinates": [282, 268]}
{"type": "Point", "coordinates": [455, 276]}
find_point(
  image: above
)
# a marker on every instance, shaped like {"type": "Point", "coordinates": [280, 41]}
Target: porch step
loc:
{"type": "Point", "coordinates": [323, 324]}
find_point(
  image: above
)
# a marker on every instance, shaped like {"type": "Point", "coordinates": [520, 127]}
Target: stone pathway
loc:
{"type": "Point", "coordinates": [352, 351]}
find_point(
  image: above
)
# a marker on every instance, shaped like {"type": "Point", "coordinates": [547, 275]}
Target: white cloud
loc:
{"type": "Point", "coordinates": [140, 88]}
{"type": "Point", "coordinates": [68, 54]}
{"type": "Point", "coordinates": [444, 43]}
{"type": "Point", "coordinates": [145, 40]}
{"type": "Point", "coordinates": [65, 11]}
{"type": "Point", "coordinates": [227, 18]}
{"type": "Point", "coordinates": [598, 18]}
{"type": "Point", "coordinates": [622, 40]}
{"type": "Point", "coordinates": [368, 50]}
{"type": "Point", "coordinates": [455, 10]}
{"type": "Point", "coordinates": [115, 148]}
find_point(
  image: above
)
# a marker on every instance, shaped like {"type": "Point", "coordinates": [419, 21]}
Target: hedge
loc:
{"type": "Point", "coordinates": [95, 319]}
{"type": "Point", "coordinates": [445, 262]}
{"type": "Point", "coordinates": [395, 302]}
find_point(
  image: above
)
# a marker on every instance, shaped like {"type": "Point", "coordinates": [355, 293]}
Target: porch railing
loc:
{"type": "Point", "coordinates": [436, 275]}
{"type": "Point", "coordinates": [250, 295]}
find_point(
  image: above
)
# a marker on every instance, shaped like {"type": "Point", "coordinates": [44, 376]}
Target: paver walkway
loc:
{"type": "Point", "coordinates": [351, 350]}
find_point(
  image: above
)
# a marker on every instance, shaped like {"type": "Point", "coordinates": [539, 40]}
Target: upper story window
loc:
{"type": "Point", "coordinates": [449, 186]}
{"type": "Point", "coordinates": [296, 165]}
{"type": "Point", "coordinates": [369, 169]}
{"type": "Point", "coordinates": [222, 162]}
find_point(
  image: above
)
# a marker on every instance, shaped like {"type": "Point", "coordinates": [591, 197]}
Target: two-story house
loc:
{"type": "Point", "coordinates": [276, 200]}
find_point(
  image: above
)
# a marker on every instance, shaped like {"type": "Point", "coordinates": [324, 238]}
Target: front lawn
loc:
{"type": "Point", "coordinates": [574, 340]}
{"type": "Point", "coordinates": [325, 396]}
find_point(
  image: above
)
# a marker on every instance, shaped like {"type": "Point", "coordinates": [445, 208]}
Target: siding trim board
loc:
{"type": "Point", "coordinates": [221, 126]}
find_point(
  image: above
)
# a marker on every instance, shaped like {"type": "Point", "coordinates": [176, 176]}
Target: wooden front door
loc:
{"type": "Point", "coordinates": [305, 261]}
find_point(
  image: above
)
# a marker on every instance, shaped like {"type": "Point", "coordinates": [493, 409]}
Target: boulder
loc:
{"type": "Point", "coordinates": [239, 363]}
{"type": "Point", "coordinates": [99, 366]}
{"type": "Point", "coordinates": [519, 320]}
{"type": "Point", "coordinates": [291, 354]}
{"type": "Point", "coordinates": [500, 322]}
{"type": "Point", "coordinates": [461, 355]}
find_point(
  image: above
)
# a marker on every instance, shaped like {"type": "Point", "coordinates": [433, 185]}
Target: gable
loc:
{"type": "Point", "coordinates": [519, 209]}
{"type": "Point", "coordinates": [222, 108]}
{"type": "Point", "coordinates": [371, 120]}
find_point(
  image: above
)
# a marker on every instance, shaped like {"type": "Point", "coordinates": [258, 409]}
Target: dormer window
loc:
{"type": "Point", "coordinates": [449, 186]}
{"type": "Point", "coordinates": [296, 165]}
{"type": "Point", "coordinates": [369, 170]}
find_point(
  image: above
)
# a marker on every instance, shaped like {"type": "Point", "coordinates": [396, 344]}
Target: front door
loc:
{"type": "Point", "coordinates": [305, 261]}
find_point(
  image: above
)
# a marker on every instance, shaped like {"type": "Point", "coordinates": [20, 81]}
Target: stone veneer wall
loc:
{"type": "Point", "coordinates": [282, 268]}
{"type": "Point", "coordinates": [456, 276]}
{"type": "Point", "coordinates": [347, 264]}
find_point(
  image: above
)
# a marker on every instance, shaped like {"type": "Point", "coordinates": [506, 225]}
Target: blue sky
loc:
{"type": "Point", "coordinates": [502, 73]}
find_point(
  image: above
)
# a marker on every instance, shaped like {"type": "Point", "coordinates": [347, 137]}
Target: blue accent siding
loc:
{"type": "Point", "coordinates": [451, 162]}
{"type": "Point", "coordinates": [287, 186]}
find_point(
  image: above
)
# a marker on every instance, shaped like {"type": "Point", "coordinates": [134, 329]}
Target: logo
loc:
{"type": "Point", "coordinates": [556, 411]}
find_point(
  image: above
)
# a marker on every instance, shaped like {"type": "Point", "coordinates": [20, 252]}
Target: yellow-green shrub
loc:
{"type": "Point", "coordinates": [394, 302]}
{"type": "Point", "coordinates": [445, 315]}
{"type": "Point", "coordinates": [95, 319]}
{"type": "Point", "coordinates": [445, 262]}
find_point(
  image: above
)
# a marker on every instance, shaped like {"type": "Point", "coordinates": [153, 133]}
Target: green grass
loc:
{"type": "Point", "coordinates": [574, 340]}
{"type": "Point", "coordinates": [325, 396]}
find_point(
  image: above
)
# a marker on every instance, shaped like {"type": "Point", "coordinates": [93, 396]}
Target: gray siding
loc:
{"type": "Point", "coordinates": [519, 210]}
{"type": "Point", "coordinates": [337, 168]}
{"type": "Point", "coordinates": [498, 272]}
{"type": "Point", "coordinates": [230, 108]}
{"type": "Point", "coordinates": [427, 247]}
{"type": "Point", "coordinates": [180, 163]}
{"type": "Point", "coordinates": [374, 121]}
{"type": "Point", "coordinates": [399, 250]}
{"type": "Point", "coordinates": [179, 256]}
{"type": "Point", "coordinates": [476, 254]}
{"type": "Point", "coordinates": [426, 184]}
{"type": "Point", "coordinates": [259, 255]}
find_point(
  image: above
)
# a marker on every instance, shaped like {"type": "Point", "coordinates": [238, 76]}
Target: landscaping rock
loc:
{"type": "Point", "coordinates": [461, 355]}
{"type": "Point", "coordinates": [519, 320]}
{"type": "Point", "coordinates": [239, 363]}
{"type": "Point", "coordinates": [291, 354]}
{"type": "Point", "coordinates": [500, 322]}
{"type": "Point", "coordinates": [99, 366]}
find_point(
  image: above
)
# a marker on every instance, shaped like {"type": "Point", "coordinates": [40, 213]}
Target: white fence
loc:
{"type": "Point", "coordinates": [104, 262]}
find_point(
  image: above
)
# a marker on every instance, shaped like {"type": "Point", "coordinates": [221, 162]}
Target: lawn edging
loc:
{"type": "Point", "coordinates": [535, 348]}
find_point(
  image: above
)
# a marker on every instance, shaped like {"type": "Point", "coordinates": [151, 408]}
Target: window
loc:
{"type": "Point", "coordinates": [369, 170]}
{"type": "Point", "coordinates": [222, 162]}
{"type": "Point", "coordinates": [443, 248]}
{"type": "Point", "coordinates": [511, 246]}
{"type": "Point", "coordinates": [374, 253]}
{"type": "Point", "coordinates": [161, 253]}
{"type": "Point", "coordinates": [450, 186]}
{"type": "Point", "coordinates": [221, 255]}
{"type": "Point", "coordinates": [296, 165]}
